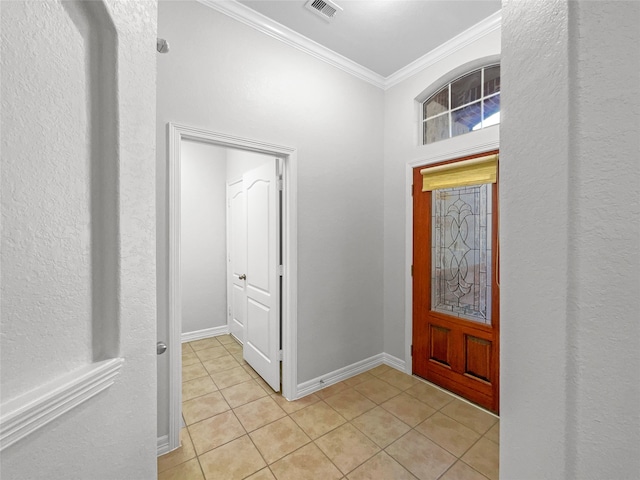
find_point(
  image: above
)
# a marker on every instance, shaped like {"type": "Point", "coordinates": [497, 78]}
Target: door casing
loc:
{"type": "Point", "coordinates": [176, 133]}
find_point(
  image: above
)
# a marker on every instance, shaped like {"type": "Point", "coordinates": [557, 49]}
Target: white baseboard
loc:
{"type": "Point", "coordinates": [205, 333]}
{"type": "Point", "coordinates": [318, 383]}
{"type": "Point", "coordinates": [27, 413]}
{"type": "Point", "coordinates": [163, 445]}
{"type": "Point", "coordinates": [394, 362]}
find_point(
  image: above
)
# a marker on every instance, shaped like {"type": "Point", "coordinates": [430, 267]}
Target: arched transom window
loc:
{"type": "Point", "coordinates": [469, 103]}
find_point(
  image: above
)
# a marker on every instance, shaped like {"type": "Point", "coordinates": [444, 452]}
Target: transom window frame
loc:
{"type": "Point", "coordinates": [445, 82]}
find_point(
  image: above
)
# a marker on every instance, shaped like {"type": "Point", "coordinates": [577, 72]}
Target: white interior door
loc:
{"type": "Point", "coordinates": [236, 258]}
{"type": "Point", "coordinates": [262, 322]}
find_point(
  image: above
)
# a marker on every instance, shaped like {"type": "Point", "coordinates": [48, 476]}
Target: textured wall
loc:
{"type": "Point", "coordinates": [224, 76]}
{"type": "Point", "coordinates": [570, 399]}
{"type": "Point", "coordinates": [203, 246]}
{"type": "Point", "coordinates": [60, 169]}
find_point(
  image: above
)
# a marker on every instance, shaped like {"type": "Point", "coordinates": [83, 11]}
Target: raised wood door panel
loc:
{"type": "Point", "coordinates": [456, 353]}
{"type": "Point", "coordinates": [261, 348]}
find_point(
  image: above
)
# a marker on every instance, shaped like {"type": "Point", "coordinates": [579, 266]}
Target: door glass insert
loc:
{"type": "Point", "coordinates": [461, 252]}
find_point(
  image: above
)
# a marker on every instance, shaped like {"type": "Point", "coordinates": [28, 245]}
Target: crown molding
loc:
{"type": "Point", "coordinates": [472, 34]}
{"type": "Point", "coordinates": [246, 15]}
{"type": "Point", "coordinates": [264, 24]}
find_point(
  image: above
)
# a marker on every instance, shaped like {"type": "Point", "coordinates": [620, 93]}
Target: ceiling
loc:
{"type": "Point", "coordinates": [381, 35]}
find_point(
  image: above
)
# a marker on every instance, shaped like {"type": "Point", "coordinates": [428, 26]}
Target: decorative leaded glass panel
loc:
{"type": "Point", "coordinates": [461, 252]}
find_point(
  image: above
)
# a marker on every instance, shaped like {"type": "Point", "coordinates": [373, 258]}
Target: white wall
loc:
{"type": "Point", "coordinates": [403, 145]}
{"type": "Point", "coordinates": [241, 161]}
{"type": "Point", "coordinates": [570, 223]}
{"type": "Point", "coordinates": [226, 77]}
{"type": "Point", "coordinates": [203, 236]}
{"type": "Point", "coordinates": [78, 232]}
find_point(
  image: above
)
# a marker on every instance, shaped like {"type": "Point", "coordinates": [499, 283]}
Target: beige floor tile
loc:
{"type": "Point", "coordinates": [220, 364]}
{"type": "Point", "coordinates": [252, 373]}
{"type": "Point", "coordinates": [469, 415]}
{"type": "Point", "coordinates": [279, 439]}
{"type": "Point", "coordinates": [211, 353]}
{"type": "Point", "coordinates": [203, 407]}
{"type": "Point", "coordinates": [398, 379]}
{"type": "Point", "coordinates": [362, 377]}
{"type": "Point", "coordinates": [295, 405]}
{"type": "Point", "coordinates": [381, 467]}
{"type": "Point", "coordinates": [379, 370]}
{"type": "Point", "coordinates": [307, 463]}
{"type": "Point", "coordinates": [226, 339]}
{"type": "Point", "coordinates": [377, 390]}
{"type": "Point", "coordinates": [421, 456]}
{"type": "Point", "coordinates": [332, 390]}
{"type": "Point", "coordinates": [215, 431]}
{"type": "Point", "coordinates": [242, 393]}
{"type": "Point", "coordinates": [228, 378]}
{"type": "Point", "coordinates": [239, 358]}
{"type": "Point", "coordinates": [232, 461]}
{"type": "Point", "coordinates": [190, 372]}
{"type": "Point", "coordinates": [484, 457]}
{"type": "Point", "coordinates": [186, 348]}
{"type": "Point", "coordinates": [233, 348]}
{"type": "Point", "coordinates": [204, 343]}
{"type": "Point", "coordinates": [380, 426]}
{"type": "Point", "coordinates": [449, 434]}
{"type": "Point", "coordinates": [347, 447]}
{"type": "Point", "coordinates": [317, 419]}
{"type": "Point", "coordinates": [189, 358]}
{"type": "Point", "coordinates": [430, 395]}
{"type": "Point", "coordinates": [189, 470]}
{"type": "Point", "coordinates": [349, 403]}
{"type": "Point", "coordinates": [197, 387]}
{"type": "Point", "coordinates": [494, 433]}
{"type": "Point", "coordinates": [179, 455]}
{"type": "Point", "coordinates": [408, 409]}
{"type": "Point", "coordinates": [259, 413]}
{"type": "Point", "coordinates": [462, 471]}
{"type": "Point", "coordinates": [264, 474]}
{"type": "Point", "coordinates": [267, 388]}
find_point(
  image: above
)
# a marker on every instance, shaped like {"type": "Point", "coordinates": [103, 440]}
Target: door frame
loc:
{"type": "Point", "coordinates": [175, 134]}
{"type": "Point", "coordinates": [427, 160]}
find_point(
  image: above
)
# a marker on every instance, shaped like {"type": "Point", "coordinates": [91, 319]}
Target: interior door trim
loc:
{"type": "Point", "coordinates": [175, 134]}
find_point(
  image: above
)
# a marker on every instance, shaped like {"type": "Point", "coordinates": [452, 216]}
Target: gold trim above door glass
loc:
{"type": "Point", "coordinates": [461, 174]}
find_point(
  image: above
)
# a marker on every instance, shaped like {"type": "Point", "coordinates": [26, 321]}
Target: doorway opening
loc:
{"type": "Point", "coordinates": [279, 188]}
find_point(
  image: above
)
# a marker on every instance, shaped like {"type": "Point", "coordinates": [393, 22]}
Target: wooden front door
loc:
{"type": "Point", "coordinates": [455, 288]}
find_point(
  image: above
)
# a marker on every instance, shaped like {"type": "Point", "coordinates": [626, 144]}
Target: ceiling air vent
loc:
{"type": "Point", "coordinates": [323, 8]}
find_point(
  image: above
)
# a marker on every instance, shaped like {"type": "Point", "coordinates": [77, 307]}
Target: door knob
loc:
{"type": "Point", "coordinates": [242, 277]}
{"type": "Point", "coordinates": [161, 348]}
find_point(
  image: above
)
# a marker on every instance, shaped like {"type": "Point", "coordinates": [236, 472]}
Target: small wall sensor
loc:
{"type": "Point", "coordinates": [162, 45]}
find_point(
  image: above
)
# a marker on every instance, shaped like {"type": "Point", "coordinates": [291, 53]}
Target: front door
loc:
{"type": "Point", "coordinates": [261, 348]}
{"type": "Point", "coordinates": [455, 284]}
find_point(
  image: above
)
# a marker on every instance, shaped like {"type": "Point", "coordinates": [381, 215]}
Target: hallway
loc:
{"type": "Point", "coordinates": [381, 424]}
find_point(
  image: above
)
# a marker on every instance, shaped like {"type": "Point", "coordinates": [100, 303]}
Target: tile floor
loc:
{"type": "Point", "coordinates": [379, 425]}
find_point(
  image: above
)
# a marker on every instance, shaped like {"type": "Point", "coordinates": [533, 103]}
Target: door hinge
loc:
{"type": "Point", "coordinates": [279, 355]}
{"type": "Point", "coordinates": [412, 270]}
{"type": "Point", "coordinates": [412, 350]}
{"type": "Point", "coordinates": [412, 190]}
{"type": "Point", "coordinates": [281, 270]}
{"type": "Point", "coordinates": [280, 183]}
